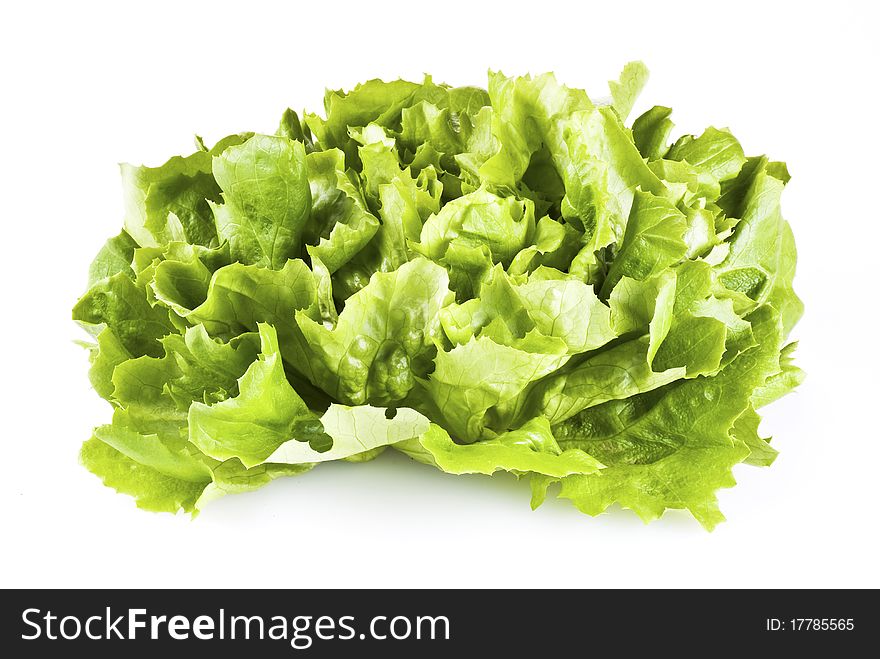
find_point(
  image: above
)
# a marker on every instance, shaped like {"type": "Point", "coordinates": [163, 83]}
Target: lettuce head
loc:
{"type": "Point", "coordinates": [508, 279]}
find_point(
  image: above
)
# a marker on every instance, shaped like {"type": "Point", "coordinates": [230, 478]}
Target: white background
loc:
{"type": "Point", "coordinates": [85, 86]}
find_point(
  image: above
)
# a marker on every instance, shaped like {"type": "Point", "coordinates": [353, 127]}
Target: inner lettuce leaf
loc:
{"type": "Point", "coordinates": [517, 279]}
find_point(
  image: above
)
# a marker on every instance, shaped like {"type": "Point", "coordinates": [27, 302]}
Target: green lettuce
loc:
{"type": "Point", "coordinates": [514, 279]}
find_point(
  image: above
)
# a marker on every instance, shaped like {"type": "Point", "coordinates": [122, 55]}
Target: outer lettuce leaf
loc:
{"type": "Point", "coordinates": [613, 374]}
{"type": "Point", "coordinates": [745, 430]}
{"type": "Point", "coordinates": [530, 448]}
{"type": "Point", "coordinates": [151, 489]}
{"type": "Point", "coordinates": [777, 385]}
{"type": "Point", "coordinates": [673, 450]}
{"type": "Point", "coordinates": [173, 459]}
{"type": "Point", "coordinates": [159, 492]}
{"type": "Point", "coordinates": [355, 431]}
{"type": "Point", "coordinates": [153, 395]}
{"type": "Point", "coordinates": [231, 477]}
{"type": "Point", "coordinates": [146, 451]}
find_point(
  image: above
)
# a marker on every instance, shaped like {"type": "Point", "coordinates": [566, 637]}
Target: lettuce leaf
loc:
{"type": "Point", "coordinates": [266, 199]}
{"type": "Point", "coordinates": [672, 448]}
{"type": "Point", "coordinates": [530, 448]}
{"type": "Point", "coordinates": [384, 337]}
